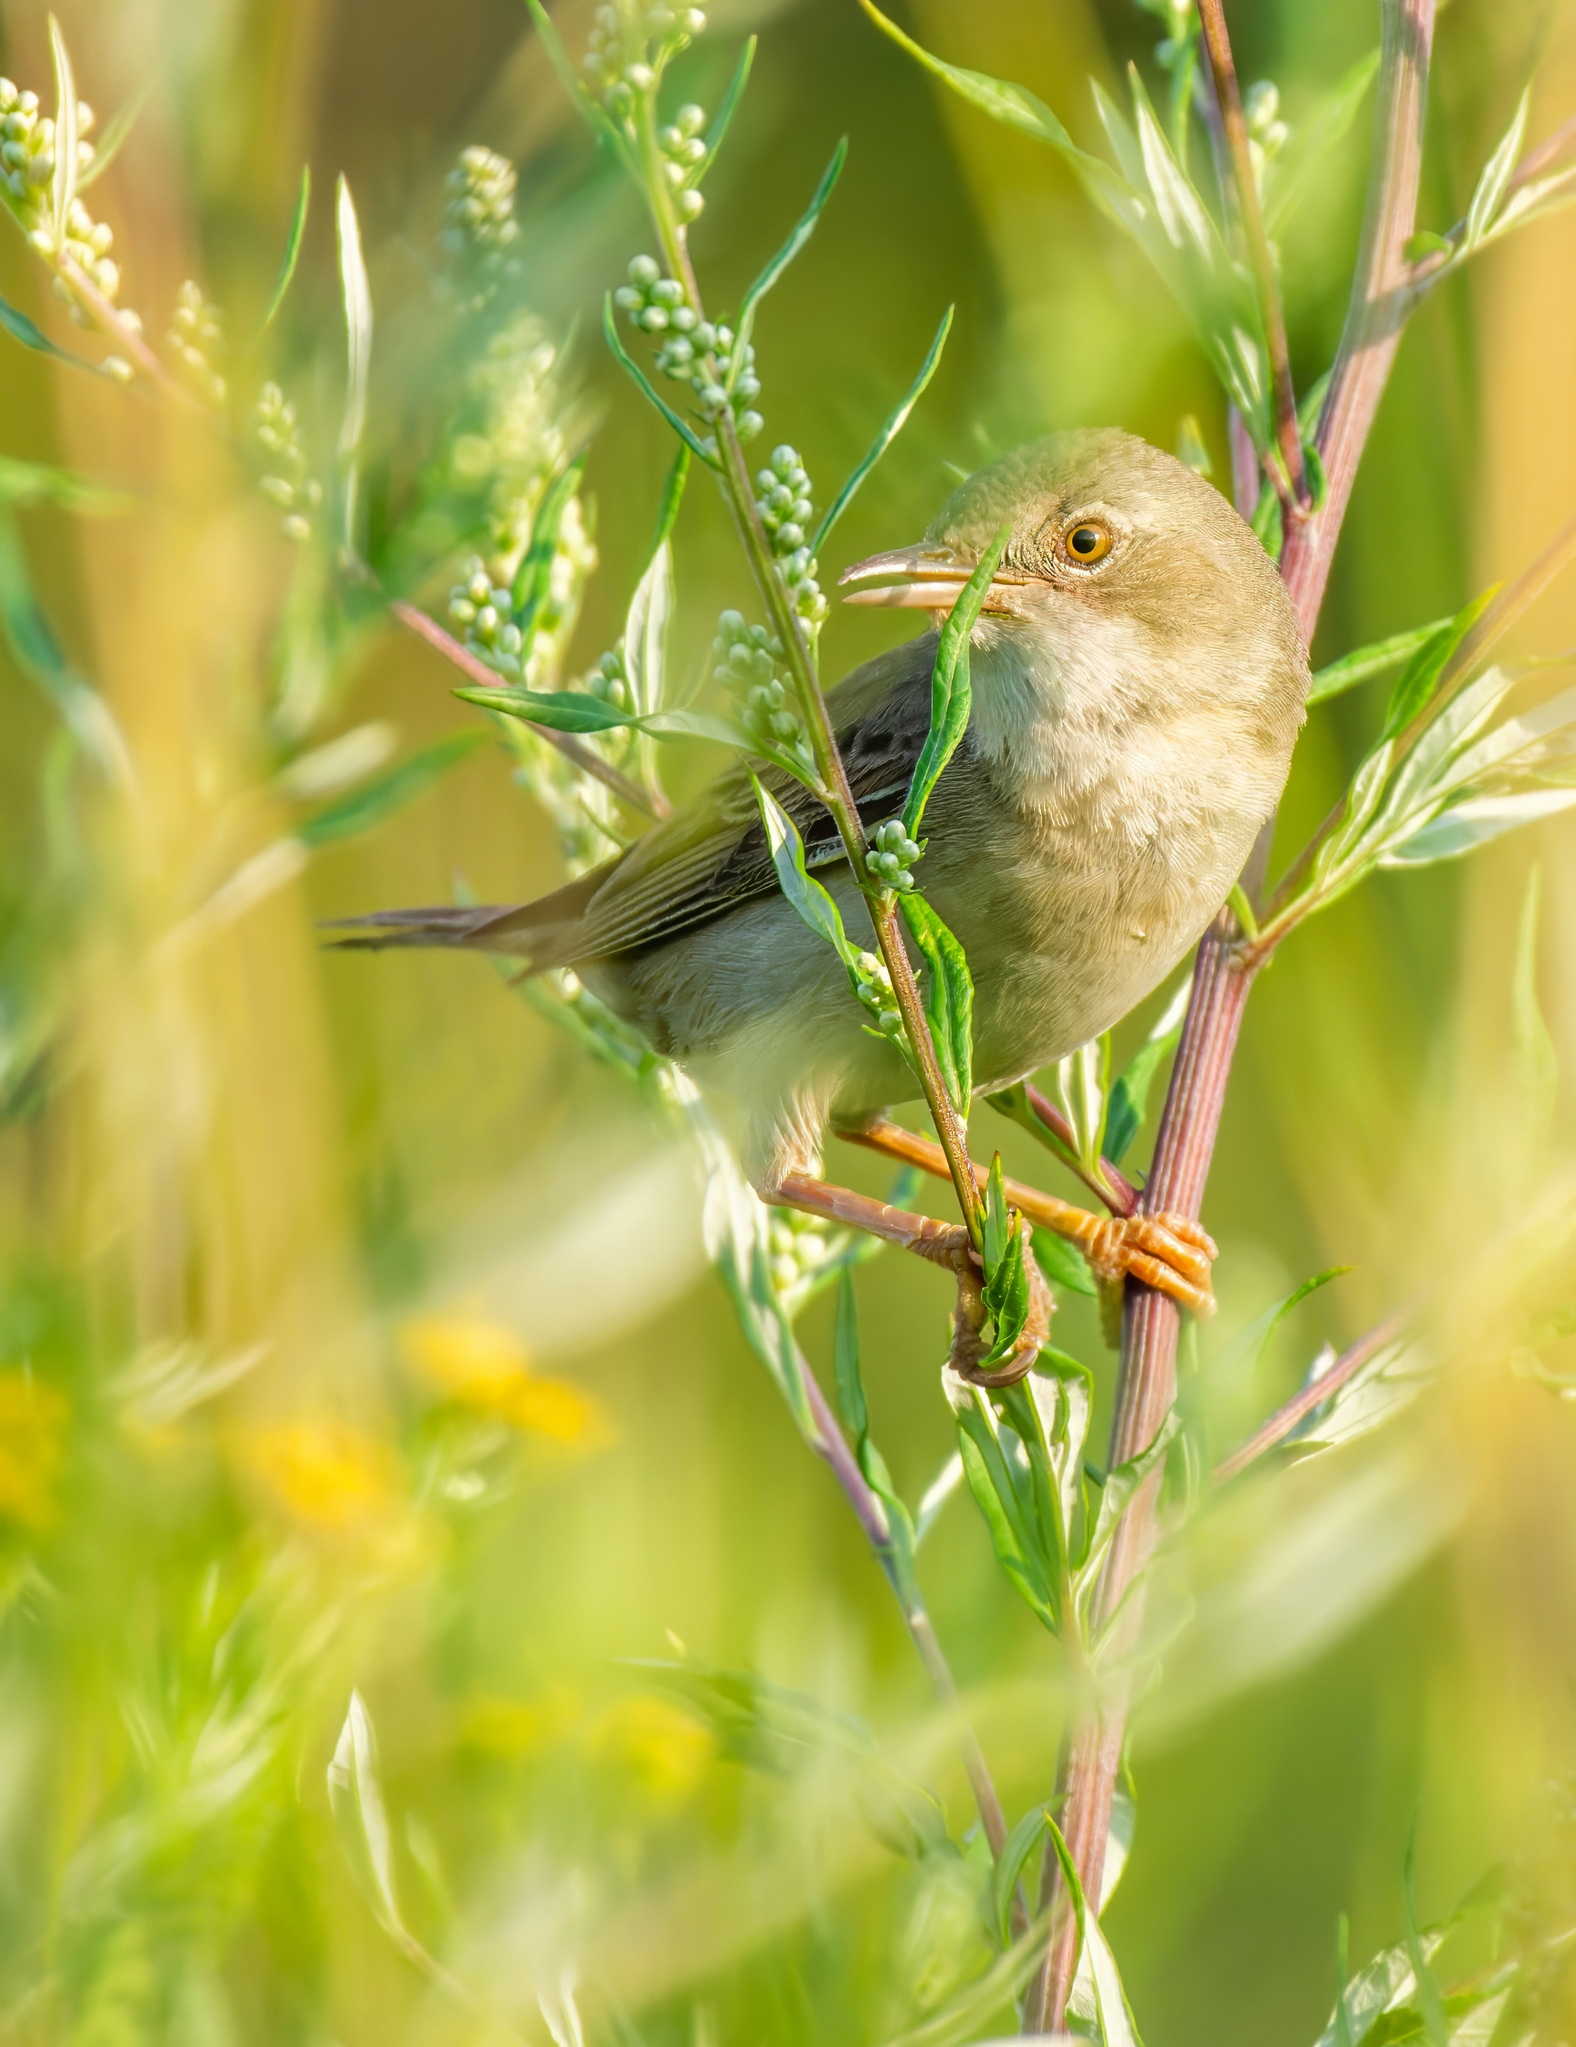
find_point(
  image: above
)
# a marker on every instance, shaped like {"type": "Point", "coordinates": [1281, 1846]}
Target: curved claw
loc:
{"type": "Point", "coordinates": [1168, 1252]}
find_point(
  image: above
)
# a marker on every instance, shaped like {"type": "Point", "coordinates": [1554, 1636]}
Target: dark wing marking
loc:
{"type": "Point", "coordinates": [713, 857]}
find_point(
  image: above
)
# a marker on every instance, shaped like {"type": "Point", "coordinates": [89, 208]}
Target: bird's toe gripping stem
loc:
{"type": "Point", "coordinates": [1168, 1252]}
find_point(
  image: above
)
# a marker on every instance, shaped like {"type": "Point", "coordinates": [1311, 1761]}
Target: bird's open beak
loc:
{"type": "Point", "coordinates": [925, 578]}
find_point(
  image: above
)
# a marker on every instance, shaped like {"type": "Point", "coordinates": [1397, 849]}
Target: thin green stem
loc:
{"type": "Point", "coordinates": [834, 789]}
{"type": "Point", "coordinates": [1288, 435]}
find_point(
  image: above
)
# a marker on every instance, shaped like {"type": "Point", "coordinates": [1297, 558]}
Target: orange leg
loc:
{"type": "Point", "coordinates": [1170, 1253]}
{"type": "Point", "coordinates": [945, 1244]}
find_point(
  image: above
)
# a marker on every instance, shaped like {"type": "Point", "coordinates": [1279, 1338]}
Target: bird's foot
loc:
{"type": "Point", "coordinates": [970, 1317]}
{"type": "Point", "coordinates": [1168, 1252]}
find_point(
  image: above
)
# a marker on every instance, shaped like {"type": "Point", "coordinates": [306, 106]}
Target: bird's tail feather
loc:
{"type": "Point", "coordinates": [489, 927]}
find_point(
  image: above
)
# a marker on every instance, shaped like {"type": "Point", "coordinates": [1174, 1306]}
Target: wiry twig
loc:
{"type": "Point", "coordinates": [832, 1445]}
{"type": "Point", "coordinates": [1307, 1398]}
{"type": "Point", "coordinates": [1293, 483]}
{"type": "Point", "coordinates": [1147, 1383]}
{"type": "Point", "coordinates": [635, 794]}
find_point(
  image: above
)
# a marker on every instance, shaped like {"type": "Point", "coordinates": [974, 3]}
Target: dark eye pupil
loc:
{"type": "Point", "coordinates": [1084, 540]}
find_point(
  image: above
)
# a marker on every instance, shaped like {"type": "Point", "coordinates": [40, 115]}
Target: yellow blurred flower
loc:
{"type": "Point", "coordinates": [664, 1749]}
{"type": "Point", "coordinates": [485, 1367]}
{"type": "Point", "coordinates": [32, 1442]}
{"type": "Point", "coordinates": [511, 1728]}
{"type": "Point", "coordinates": [325, 1472]}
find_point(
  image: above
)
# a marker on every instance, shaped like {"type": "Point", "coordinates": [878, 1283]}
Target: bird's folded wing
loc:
{"type": "Point", "coordinates": [713, 856]}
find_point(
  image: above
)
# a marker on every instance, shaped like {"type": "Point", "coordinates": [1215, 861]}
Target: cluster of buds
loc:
{"type": "Point", "coordinates": [693, 351]}
{"type": "Point", "coordinates": [287, 482]}
{"type": "Point", "coordinates": [479, 214]}
{"type": "Point", "coordinates": [799, 1245]}
{"type": "Point", "coordinates": [1267, 133]}
{"type": "Point", "coordinates": [27, 170]}
{"type": "Point", "coordinates": [196, 336]}
{"type": "Point", "coordinates": [684, 159]}
{"type": "Point", "coordinates": [891, 862]}
{"type": "Point", "coordinates": [873, 986]}
{"type": "Point", "coordinates": [484, 613]}
{"type": "Point", "coordinates": [609, 680]}
{"type": "Point", "coordinates": [747, 662]}
{"type": "Point", "coordinates": [784, 507]}
{"type": "Point", "coordinates": [627, 52]}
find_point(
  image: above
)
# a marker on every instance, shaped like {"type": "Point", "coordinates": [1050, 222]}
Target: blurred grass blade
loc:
{"type": "Point", "coordinates": [950, 692]}
{"type": "Point", "coordinates": [386, 793]}
{"type": "Point", "coordinates": [358, 321]}
{"type": "Point", "coordinates": [893, 426]}
{"type": "Point", "coordinates": [21, 328]}
{"type": "Point", "coordinates": [1377, 658]}
{"type": "Point", "coordinates": [1537, 1062]}
{"type": "Point", "coordinates": [632, 369]}
{"type": "Point", "coordinates": [1431, 2006]}
{"type": "Point", "coordinates": [646, 632]}
{"type": "Point", "coordinates": [355, 1796]}
{"type": "Point", "coordinates": [727, 107]}
{"type": "Point", "coordinates": [1490, 188]}
{"type": "Point", "coordinates": [63, 184]}
{"type": "Point", "coordinates": [803, 229]}
{"type": "Point", "coordinates": [1293, 174]}
{"type": "Point", "coordinates": [38, 654]}
{"type": "Point", "coordinates": [36, 483]}
{"type": "Point", "coordinates": [113, 140]}
{"type": "Point", "coordinates": [569, 78]}
{"type": "Point", "coordinates": [850, 1386]}
{"type": "Point", "coordinates": [949, 997]}
{"type": "Point", "coordinates": [292, 255]}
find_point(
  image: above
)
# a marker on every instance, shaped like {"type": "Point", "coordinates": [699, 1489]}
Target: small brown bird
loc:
{"type": "Point", "coordinates": [1138, 683]}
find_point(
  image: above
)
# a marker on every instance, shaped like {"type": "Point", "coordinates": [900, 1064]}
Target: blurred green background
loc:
{"type": "Point", "coordinates": [257, 1200]}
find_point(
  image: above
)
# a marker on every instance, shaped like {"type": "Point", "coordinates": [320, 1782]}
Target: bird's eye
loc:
{"type": "Point", "coordinates": [1087, 542]}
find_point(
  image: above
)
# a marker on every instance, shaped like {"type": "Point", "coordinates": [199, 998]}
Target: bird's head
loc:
{"type": "Point", "coordinates": [1114, 545]}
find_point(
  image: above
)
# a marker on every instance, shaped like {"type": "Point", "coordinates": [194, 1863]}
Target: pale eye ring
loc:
{"type": "Point", "coordinates": [1087, 541]}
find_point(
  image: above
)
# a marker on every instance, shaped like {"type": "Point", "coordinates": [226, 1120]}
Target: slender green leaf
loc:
{"type": "Point", "coordinates": [1463, 827]}
{"type": "Point", "coordinates": [1116, 1496]}
{"type": "Point", "coordinates": [803, 229]}
{"type": "Point", "coordinates": [1019, 1845]}
{"type": "Point", "coordinates": [990, 1483]}
{"type": "Point", "coordinates": [891, 428]}
{"type": "Point", "coordinates": [1378, 658]}
{"type": "Point", "coordinates": [63, 186]}
{"type": "Point", "coordinates": [1420, 677]}
{"type": "Point", "coordinates": [559, 710]}
{"type": "Point", "coordinates": [949, 998]}
{"type": "Point", "coordinates": [17, 324]}
{"type": "Point", "coordinates": [1490, 189]}
{"type": "Point", "coordinates": [358, 322]}
{"type": "Point", "coordinates": [672, 498]}
{"type": "Point", "coordinates": [1006, 1287]}
{"type": "Point", "coordinates": [1128, 1102]}
{"type": "Point", "coordinates": [533, 578]}
{"type": "Point", "coordinates": [806, 895]}
{"type": "Point", "coordinates": [292, 255]}
{"type": "Point", "coordinates": [381, 796]}
{"type": "Point", "coordinates": [727, 107]}
{"type": "Point", "coordinates": [950, 692]}
{"type": "Point", "coordinates": [850, 1386]}
{"type": "Point", "coordinates": [646, 632]}
{"type": "Point", "coordinates": [1436, 2028]}
{"type": "Point", "coordinates": [632, 369]}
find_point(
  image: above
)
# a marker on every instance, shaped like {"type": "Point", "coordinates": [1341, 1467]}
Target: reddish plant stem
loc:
{"type": "Point", "coordinates": [589, 763]}
{"type": "Point", "coordinates": [1307, 1398]}
{"type": "Point", "coordinates": [1146, 1386]}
